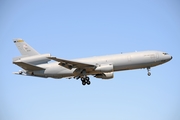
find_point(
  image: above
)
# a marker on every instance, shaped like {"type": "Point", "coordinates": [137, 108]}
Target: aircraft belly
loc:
{"type": "Point", "coordinates": [58, 72]}
{"type": "Point", "coordinates": [129, 67]}
{"type": "Point", "coordinates": [38, 73]}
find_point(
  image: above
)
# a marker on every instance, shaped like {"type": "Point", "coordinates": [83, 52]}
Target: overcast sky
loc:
{"type": "Point", "coordinates": [79, 28]}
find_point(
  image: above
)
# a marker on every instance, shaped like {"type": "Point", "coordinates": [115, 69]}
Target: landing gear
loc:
{"type": "Point", "coordinates": [77, 77]}
{"type": "Point", "coordinates": [149, 73]}
{"type": "Point", "coordinates": [83, 83]}
{"type": "Point", "coordinates": [88, 82]}
{"type": "Point", "coordinates": [85, 80]}
{"type": "Point", "coordinates": [20, 72]}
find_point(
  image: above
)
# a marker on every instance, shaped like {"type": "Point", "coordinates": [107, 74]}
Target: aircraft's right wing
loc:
{"type": "Point", "coordinates": [72, 64]}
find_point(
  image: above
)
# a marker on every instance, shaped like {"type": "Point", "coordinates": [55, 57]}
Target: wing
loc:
{"type": "Point", "coordinates": [73, 64]}
{"type": "Point", "coordinates": [27, 66]}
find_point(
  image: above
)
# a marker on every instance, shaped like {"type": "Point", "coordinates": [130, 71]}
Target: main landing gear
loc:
{"type": "Point", "coordinates": [148, 69]}
{"type": "Point", "coordinates": [85, 80]}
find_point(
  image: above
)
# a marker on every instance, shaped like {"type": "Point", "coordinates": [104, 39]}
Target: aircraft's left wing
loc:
{"type": "Point", "coordinates": [72, 64]}
{"type": "Point", "coordinates": [28, 66]}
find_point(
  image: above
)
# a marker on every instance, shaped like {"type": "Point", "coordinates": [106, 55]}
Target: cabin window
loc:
{"type": "Point", "coordinates": [165, 53]}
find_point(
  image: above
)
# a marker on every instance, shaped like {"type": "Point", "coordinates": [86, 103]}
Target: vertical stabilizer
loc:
{"type": "Point", "coordinates": [24, 48]}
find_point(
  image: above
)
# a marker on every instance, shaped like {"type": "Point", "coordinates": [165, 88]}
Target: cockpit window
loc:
{"type": "Point", "coordinates": [165, 53]}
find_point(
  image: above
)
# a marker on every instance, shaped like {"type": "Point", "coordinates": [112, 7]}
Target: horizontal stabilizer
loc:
{"type": "Point", "coordinates": [72, 64]}
{"type": "Point", "coordinates": [27, 66]}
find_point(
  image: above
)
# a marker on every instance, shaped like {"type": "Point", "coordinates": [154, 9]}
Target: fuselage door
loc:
{"type": "Point", "coordinates": [157, 56]}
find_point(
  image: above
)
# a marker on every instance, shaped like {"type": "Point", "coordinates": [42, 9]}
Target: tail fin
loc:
{"type": "Point", "coordinates": [24, 48]}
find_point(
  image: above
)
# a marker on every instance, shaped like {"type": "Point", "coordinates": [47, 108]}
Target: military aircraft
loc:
{"type": "Point", "coordinates": [36, 64]}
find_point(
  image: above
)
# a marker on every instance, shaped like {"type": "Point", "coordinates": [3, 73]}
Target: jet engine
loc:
{"type": "Point", "coordinates": [108, 75]}
{"type": "Point", "coordinates": [105, 68]}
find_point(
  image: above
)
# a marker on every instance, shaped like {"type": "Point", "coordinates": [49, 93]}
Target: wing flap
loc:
{"type": "Point", "coordinates": [72, 64]}
{"type": "Point", "coordinates": [27, 66]}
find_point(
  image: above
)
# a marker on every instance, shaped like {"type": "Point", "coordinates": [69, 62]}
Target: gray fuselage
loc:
{"type": "Point", "coordinates": [126, 61]}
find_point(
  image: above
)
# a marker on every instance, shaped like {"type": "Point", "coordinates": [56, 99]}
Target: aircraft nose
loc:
{"type": "Point", "coordinates": [171, 57]}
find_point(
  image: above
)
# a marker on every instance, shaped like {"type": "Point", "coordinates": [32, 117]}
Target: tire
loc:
{"type": "Point", "coordinates": [83, 83]}
{"type": "Point", "coordinates": [88, 82]}
{"type": "Point", "coordinates": [82, 79]}
{"type": "Point", "coordinates": [149, 74]}
{"type": "Point", "coordinates": [87, 78]}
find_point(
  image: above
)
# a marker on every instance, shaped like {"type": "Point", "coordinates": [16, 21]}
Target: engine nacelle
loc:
{"type": "Point", "coordinates": [35, 59]}
{"type": "Point", "coordinates": [105, 68]}
{"type": "Point", "coordinates": [108, 75]}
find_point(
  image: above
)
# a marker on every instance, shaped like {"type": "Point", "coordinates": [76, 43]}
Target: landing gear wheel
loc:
{"type": "Point", "coordinates": [148, 69]}
{"type": "Point", "coordinates": [149, 74]}
{"type": "Point", "coordinates": [83, 83]}
{"type": "Point", "coordinates": [87, 78]}
{"type": "Point", "coordinates": [82, 79]}
{"type": "Point", "coordinates": [88, 82]}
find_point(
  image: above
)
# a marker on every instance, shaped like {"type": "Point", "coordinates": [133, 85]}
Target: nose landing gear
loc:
{"type": "Point", "coordinates": [149, 73]}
